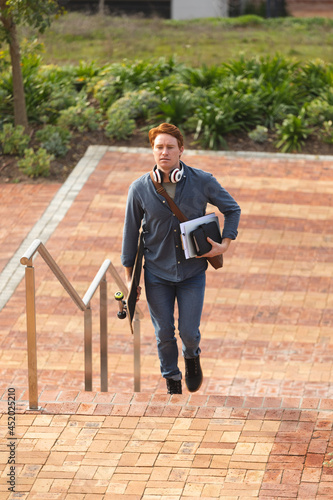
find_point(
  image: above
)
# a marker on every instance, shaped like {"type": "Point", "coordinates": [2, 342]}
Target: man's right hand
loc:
{"type": "Point", "coordinates": [128, 278]}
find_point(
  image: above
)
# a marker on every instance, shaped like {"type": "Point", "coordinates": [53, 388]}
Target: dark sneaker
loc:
{"type": "Point", "coordinates": [193, 374]}
{"type": "Point", "coordinates": [174, 386]}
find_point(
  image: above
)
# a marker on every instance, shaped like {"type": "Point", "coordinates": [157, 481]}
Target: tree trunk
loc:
{"type": "Point", "coordinates": [20, 110]}
{"type": "Point", "coordinates": [101, 7]}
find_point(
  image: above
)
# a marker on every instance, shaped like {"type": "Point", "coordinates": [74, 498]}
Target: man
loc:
{"type": "Point", "coordinates": [168, 275]}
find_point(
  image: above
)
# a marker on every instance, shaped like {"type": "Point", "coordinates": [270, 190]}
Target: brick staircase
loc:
{"type": "Point", "coordinates": [261, 424]}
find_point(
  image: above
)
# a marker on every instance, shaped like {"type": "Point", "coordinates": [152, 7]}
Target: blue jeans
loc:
{"type": "Point", "coordinates": [161, 295]}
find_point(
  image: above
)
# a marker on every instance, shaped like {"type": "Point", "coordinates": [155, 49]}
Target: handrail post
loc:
{"type": "Point", "coordinates": [31, 335]}
{"type": "Point", "coordinates": [88, 349]}
{"type": "Point", "coordinates": [103, 301]}
{"type": "Point", "coordinates": [136, 345]}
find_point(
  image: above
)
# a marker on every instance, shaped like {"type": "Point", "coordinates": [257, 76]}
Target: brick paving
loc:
{"type": "Point", "coordinates": [260, 426]}
{"type": "Point", "coordinates": [20, 209]}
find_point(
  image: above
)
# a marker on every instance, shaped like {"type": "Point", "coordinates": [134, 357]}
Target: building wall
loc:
{"type": "Point", "coordinates": [192, 9]}
{"type": "Point", "coordinates": [310, 8]}
{"type": "Point", "coordinates": [187, 9]}
{"type": "Point", "coordinates": [148, 8]}
{"type": "Point", "coordinates": [295, 8]}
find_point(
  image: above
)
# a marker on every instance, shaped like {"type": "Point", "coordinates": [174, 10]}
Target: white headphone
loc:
{"type": "Point", "coordinates": [175, 175]}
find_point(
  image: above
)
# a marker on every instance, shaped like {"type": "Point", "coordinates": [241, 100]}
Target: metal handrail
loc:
{"type": "Point", "coordinates": [37, 245]}
{"type": "Point", "coordinates": [96, 282]}
{"type": "Point", "coordinates": [83, 305]}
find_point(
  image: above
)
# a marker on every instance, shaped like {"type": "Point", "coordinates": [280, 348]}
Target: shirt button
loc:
{"type": "Point", "coordinates": [178, 262]}
{"type": "Point", "coordinates": [175, 230]}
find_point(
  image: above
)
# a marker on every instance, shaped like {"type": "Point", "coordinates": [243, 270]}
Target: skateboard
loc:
{"type": "Point", "coordinates": [127, 307]}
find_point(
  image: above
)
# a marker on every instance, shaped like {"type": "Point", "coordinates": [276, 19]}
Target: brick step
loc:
{"type": "Point", "coordinates": [185, 405]}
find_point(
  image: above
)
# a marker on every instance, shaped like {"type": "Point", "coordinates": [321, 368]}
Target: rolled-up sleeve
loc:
{"type": "Point", "coordinates": [226, 204]}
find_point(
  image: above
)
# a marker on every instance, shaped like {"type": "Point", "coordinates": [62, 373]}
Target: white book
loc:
{"type": "Point", "coordinates": [190, 225]}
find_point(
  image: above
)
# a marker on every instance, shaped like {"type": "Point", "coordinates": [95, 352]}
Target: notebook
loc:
{"type": "Point", "coordinates": [186, 229]}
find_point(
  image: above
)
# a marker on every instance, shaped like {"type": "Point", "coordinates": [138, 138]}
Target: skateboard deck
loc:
{"type": "Point", "coordinates": [127, 307]}
{"type": "Point", "coordinates": [136, 275]}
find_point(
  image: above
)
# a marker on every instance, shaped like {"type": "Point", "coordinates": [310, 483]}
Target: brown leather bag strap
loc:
{"type": "Point", "coordinates": [162, 191]}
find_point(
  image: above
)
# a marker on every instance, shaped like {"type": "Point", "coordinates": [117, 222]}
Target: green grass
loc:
{"type": "Point", "coordinates": [74, 37]}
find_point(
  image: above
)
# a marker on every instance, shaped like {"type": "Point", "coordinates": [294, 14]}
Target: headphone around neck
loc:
{"type": "Point", "coordinates": [175, 175]}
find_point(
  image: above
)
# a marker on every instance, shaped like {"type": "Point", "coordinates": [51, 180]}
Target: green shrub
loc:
{"type": "Point", "coordinates": [84, 74]}
{"type": "Point", "coordinates": [247, 19]}
{"type": "Point", "coordinates": [203, 77]}
{"type": "Point", "coordinates": [46, 132]}
{"type": "Point", "coordinates": [212, 124]}
{"type": "Point", "coordinates": [140, 104]}
{"type": "Point", "coordinates": [13, 140]}
{"type": "Point", "coordinates": [48, 89]}
{"type": "Point", "coordinates": [140, 72]}
{"type": "Point", "coordinates": [122, 114]}
{"type": "Point", "coordinates": [35, 163]}
{"type": "Point", "coordinates": [292, 133]}
{"type": "Point", "coordinates": [224, 113]}
{"type": "Point", "coordinates": [313, 78]}
{"type": "Point", "coordinates": [269, 69]}
{"type": "Point", "coordinates": [54, 139]}
{"type": "Point", "coordinates": [318, 111]}
{"type": "Point", "coordinates": [171, 83]}
{"type": "Point", "coordinates": [52, 100]}
{"type": "Point", "coordinates": [107, 90]}
{"type": "Point", "coordinates": [55, 145]}
{"type": "Point", "coordinates": [277, 101]}
{"type": "Point", "coordinates": [80, 117]}
{"type": "Point", "coordinates": [259, 134]}
{"type": "Point", "coordinates": [325, 134]}
{"type": "Point", "coordinates": [176, 108]}
{"type": "Point", "coordinates": [118, 79]}
{"type": "Point", "coordinates": [210, 101]}
{"type": "Point", "coordinates": [120, 125]}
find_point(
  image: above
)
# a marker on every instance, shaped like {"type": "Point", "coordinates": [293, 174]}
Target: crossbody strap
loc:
{"type": "Point", "coordinates": [162, 191]}
{"type": "Point", "coordinates": [216, 261]}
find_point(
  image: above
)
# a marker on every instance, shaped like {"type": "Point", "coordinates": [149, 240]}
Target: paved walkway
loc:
{"type": "Point", "coordinates": [260, 426]}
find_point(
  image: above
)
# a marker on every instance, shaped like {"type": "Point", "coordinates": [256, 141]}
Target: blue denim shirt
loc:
{"type": "Point", "coordinates": [163, 253]}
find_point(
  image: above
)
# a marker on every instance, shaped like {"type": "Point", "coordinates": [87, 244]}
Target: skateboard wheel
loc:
{"type": "Point", "coordinates": [119, 295]}
{"type": "Point", "coordinates": [121, 314]}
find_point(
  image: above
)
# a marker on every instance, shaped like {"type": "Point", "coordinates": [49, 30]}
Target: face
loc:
{"type": "Point", "coordinates": [166, 153]}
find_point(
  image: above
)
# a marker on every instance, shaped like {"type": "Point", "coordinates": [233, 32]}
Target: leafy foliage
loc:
{"type": "Point", "coordinates": [13, 140]}
{"type": "Point", "coordinates": [120, 125]}
{"type": "Point", "coordinates": [83, 116]}
{"type": "Point", "coordinates": [35, 163]}
{"type": "Point", "coordinates": [326, 132]}
{"type": "Point", "coordinates": [37, 14]}
{"type": "Point", "coordinates": [54, 139]}
{"type": "Point", "coordinates": [293, 132]}
{"type": "Point", "coordinates": [132, 106]}
{"type": "Point", "coordinates": [257, 95]}
{"type": "Point", "coordinates": [259, 134]}
{"type": "Point", "coordinates": [203, 77]}
{"type": "Point", "coordinates": [176, 108]}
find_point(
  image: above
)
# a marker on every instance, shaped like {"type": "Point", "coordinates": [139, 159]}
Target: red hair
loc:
{"type": "Point", "coordinates": [166, 128]}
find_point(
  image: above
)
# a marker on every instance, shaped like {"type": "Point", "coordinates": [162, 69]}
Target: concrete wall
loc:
{"type": "Point", "coordinates": [192, 9]}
